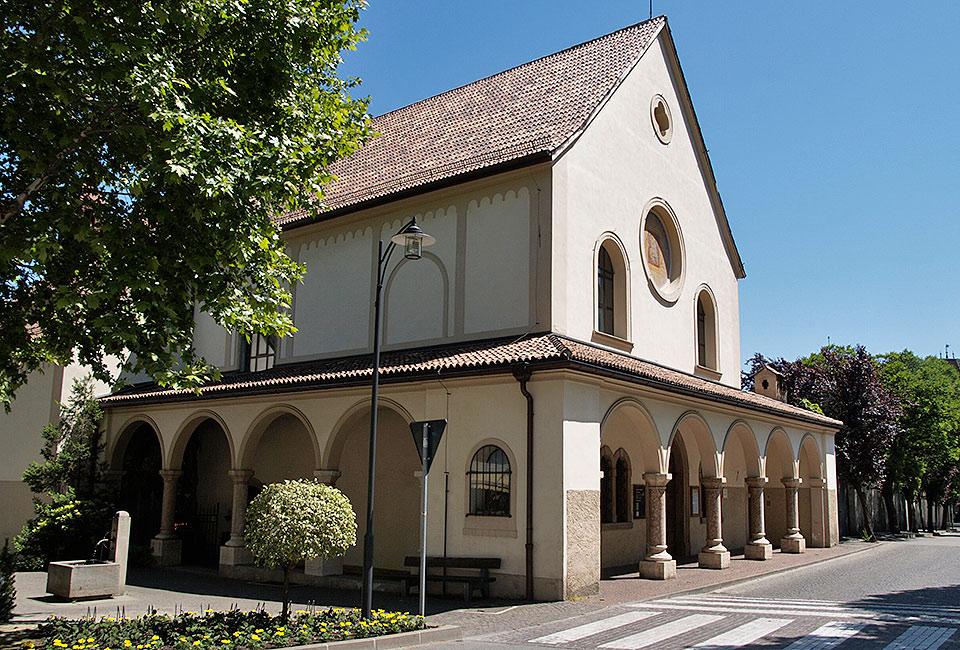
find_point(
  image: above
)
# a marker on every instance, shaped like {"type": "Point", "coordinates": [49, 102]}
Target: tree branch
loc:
{"type": "Point", "coordinates": [14, 208]}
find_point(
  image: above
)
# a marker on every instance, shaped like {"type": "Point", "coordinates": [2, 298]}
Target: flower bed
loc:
{"type": "Point", "coordinates": [225, 630]}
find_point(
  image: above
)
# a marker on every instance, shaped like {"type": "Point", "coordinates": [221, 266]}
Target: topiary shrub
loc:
{"type": "Point", "coordinates": [8, 593]}
{"type": "Point", "coordinates": [295, 521]}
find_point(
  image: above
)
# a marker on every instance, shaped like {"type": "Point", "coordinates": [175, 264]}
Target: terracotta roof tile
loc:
{"type": "Point", "coordinates": [494, 355]}
{"type": "Point", "coordinates": [533, 108]}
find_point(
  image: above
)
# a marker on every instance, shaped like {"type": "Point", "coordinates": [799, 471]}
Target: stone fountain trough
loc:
{"type": "Point", "coordinates": [84, 579]}
{"type": "Point", "coordinates": [94, 578]}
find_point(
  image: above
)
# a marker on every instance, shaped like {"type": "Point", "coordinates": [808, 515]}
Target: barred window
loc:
{"type": "Point", "coordinates": [606, 490]}
{"type": "Point", "coordinates": [623, 489]}
{"type": "Point", "coordinates": [490, 482]}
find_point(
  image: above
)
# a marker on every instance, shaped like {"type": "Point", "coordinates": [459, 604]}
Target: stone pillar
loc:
{"type": "Point", "coordinates": [793, 542]}
{"type": "Point", "coordinates": [235, 552]}
{"type": "Point", "coordinates": [166, 547]}
{"type": "Point", "coordinates": [331, 566]}
{"type": "Point", "coordinates": [714, 554]}
{"type": "Point", "coordinates": [657, 565]}
{"type": "Point", "coordinates": [758, 547]}
{"type": "Point", "coordinates": [120, 546]}
{"type": "Point", "coordinates": [819, 535]}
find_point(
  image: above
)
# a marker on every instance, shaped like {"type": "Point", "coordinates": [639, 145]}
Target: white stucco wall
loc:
{"type": "Point", "coordinates": [603, 182]}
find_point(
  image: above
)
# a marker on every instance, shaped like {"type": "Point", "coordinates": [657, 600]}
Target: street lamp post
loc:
{"type": "Point", "coordinates": [412, 239]}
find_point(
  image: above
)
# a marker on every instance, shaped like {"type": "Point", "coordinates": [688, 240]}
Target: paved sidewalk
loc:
{"type": "Point", "coordinates": [198, 589]}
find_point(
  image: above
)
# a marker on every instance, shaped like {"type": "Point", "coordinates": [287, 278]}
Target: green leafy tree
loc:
{"type": "Point", "coordinates": [8, 590]}
{"type": "Point", "coordinates": [924, 456]}
{"type": "Point", "coordinates": [295, 521]}
{"type": "Point", "coordinates": [144, 147]}
{"type": "Point", "coordinates": [73, 505]}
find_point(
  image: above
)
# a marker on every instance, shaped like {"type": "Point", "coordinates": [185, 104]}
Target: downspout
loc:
{"type": "Point", "coordinates": [522, 374]}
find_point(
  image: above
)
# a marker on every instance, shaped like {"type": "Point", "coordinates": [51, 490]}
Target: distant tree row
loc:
{"type": "Point", "coordinates": [901, 421]}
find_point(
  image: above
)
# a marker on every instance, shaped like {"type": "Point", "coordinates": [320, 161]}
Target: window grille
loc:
{"type": "Point", "coordinates": [261, 352]}
{"type": "Point", "coordinates": [623, 490]}
{"type": "Point", "coordinates": [605, 293]}
{"type": "Point", "coordinates": [606, 490]}
{"type": "Point", "coordinates": [489, 477]}
{"type": "Point", "coordinates": [701, 333]}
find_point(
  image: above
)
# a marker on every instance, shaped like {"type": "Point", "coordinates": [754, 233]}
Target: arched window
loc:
{"type": "Point", "coordinates": [612, 288]}
{"type": "Point", "coordinates": [623, 486]}
{"type": "Point", "coordinates": [706, 331]}
{"type": "Point", "coordinates": [605, 301]}
{"type": "Point", "coordinates": [606, 489]}
{"type": "Point", "coordinates": [662, 248]}
{"type": "Point", "coordinates": [489, 477]}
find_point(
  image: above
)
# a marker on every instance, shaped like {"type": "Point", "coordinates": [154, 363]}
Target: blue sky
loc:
{"type": "Point", "coordinates": [832, 128]}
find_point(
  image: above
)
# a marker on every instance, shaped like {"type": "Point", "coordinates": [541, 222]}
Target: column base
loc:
{"type": "Point", "coordinates": [758, 551]}
{"type": "Point", "coordinates": [332, 566]}
{"type": "Point", "coordinates": [719, 560]}
{"type": "Point", "coordinates": [793, 545]}
{"type": "Point", "coordinates": [166, 552]}
{"type": "Point", "coordinates": [235, 556]}
{"type": "Point", "coordinates": [654, 570]}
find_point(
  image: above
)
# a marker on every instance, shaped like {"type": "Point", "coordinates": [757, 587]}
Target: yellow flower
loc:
{"type": "Point", "coordinates": [279, 632]}
{"type": "Point", "coordinates": [91, 639]}
{"type": "Point", "coordinates": [224, 640]}
{"type": "Point", "coordinates": [237, 633]}
{"type": "Point", "coordinates": [197, 642]}
{"type": "Point", "coordinates": [154, 637]}
{"type": "Point", "coordinates": [255, 637]}
{"type": "Point", "coordinates": [259, 630]}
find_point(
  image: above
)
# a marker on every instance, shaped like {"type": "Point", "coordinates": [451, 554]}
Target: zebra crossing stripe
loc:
{"type": "Point", "coordinates": [662, 632]}
{"type": "Point", "coordinates": [828, 608]}
{"type": "Point", "coordinates": [744, 634]}
{"type": "Point", "coordinates": [921, 637]}
{"type": "Point", "coordinates": [582, 631]}
{"type": "Point", "coordinates": [842, 612]}
{"type": "Point", "coordinates": [828, 636]}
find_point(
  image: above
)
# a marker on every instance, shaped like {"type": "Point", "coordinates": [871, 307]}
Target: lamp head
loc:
{"type": "Point", "coordinates": [413, 239]}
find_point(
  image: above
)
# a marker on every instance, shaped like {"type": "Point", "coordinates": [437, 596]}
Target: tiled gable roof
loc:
{"type": "Point", "coordinates": [543, 351]}
{"type": "Point", "coordinates": [531, 109]}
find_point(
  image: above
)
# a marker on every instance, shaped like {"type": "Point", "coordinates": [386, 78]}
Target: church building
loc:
{"type": "Point", "coordinates": [576, 323]}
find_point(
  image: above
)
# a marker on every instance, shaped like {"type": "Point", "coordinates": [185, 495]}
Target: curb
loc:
{"type": "Point", "coordinates": [737, 581]}
{"type": "Point", "coordinates": [391, 641]}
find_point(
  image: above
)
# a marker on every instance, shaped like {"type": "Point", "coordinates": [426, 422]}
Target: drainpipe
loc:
{"type": "Point", "coordinates": [522, 374]}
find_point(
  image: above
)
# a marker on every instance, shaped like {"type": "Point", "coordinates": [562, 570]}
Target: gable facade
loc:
{"type": "Point", "coordinates": [576, 323]}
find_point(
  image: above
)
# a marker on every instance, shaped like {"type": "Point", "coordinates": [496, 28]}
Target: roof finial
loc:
{"type": "Point", "coordinates": [651, 9]}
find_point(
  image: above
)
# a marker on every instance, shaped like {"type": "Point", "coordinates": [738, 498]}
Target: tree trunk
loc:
{"type": "Point", "coordinates": [893, 520]}
{"type": "Point", "coordinates": [286, 593]}
{"type": "Point", "coordinates": [921, 524]}
{"type": "Point", "coordinates": [930, 523]}
{"type": "Point", "coordinates": [867, 524]}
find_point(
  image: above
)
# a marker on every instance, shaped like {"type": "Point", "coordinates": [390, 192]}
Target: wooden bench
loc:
{"type": "Point", "coordinates": [480, 580]}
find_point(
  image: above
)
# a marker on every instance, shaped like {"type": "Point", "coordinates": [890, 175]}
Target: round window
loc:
{"type": "Point", "coordinates": [660, 116]}
{"type": "Point", "coordinates": [662, 248]}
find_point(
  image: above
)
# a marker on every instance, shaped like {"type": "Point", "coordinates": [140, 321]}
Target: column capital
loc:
{"type": "Point", "coordinates": [654, 479]}
{"type": "Point", "coordinates": [327, 476]}
{"type": "Point", "coordinates": [714, 482]}
{"type": "Point", "coordinates": [241, 475]}
{"type": "Point", "coordinates": [171, 474]}
{"type": "Point", "coordinates": [817, 482]}
{"type": "Point", "coordinates": [756, 481]}
{"type": "Point", "coordinates": [791, 482]}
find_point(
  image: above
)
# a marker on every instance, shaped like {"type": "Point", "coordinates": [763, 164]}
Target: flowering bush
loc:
{"type": "Point", "coordinates": [298, 520]}
{"type": "Point", "coordinates": [230, 630]}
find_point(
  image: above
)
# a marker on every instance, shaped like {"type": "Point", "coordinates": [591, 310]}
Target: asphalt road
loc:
{"type": "Point", "coordinates": [904, 595]}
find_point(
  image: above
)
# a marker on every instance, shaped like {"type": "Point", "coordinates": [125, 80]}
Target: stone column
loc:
{"type": "Point", "coordinates": [818, 516]}
{"type": "Point", "coordinates": [714, 554]}
{"type": "Point", "coordinates": [759, 547]}
{"type": "Point", "coordinates": [166, 547]}
{"type": "Point", "coordinates": [793, 542]}
{"type": "Point", "coordinates": [657, 565]}
{"type": "Point", "coordinates": [234, 552]}
{"type": "Point", "coordinates": [331, 566]}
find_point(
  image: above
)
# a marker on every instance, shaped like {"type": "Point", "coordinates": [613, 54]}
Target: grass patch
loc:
{"type": "Point", "coordinates": [234, 629]}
